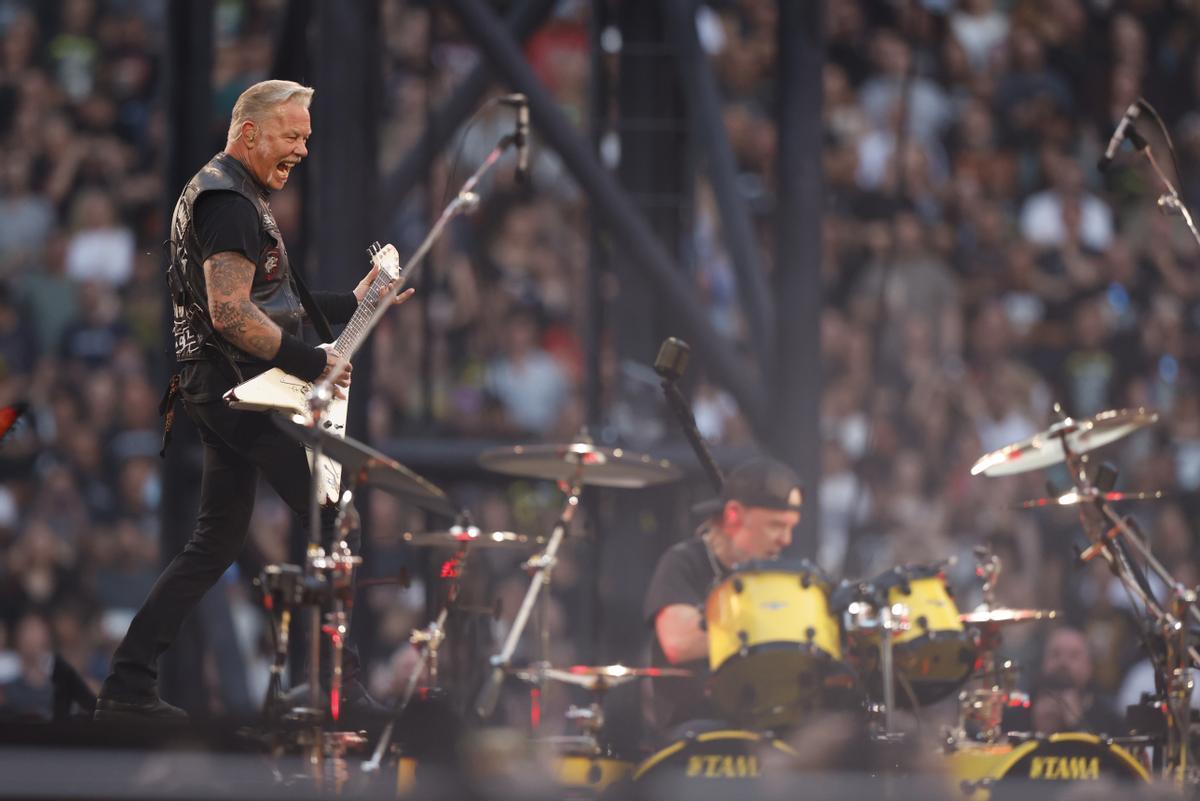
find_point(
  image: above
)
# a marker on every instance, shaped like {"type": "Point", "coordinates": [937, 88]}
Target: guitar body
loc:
{"type": "Point", "coordinates": [278, 391]}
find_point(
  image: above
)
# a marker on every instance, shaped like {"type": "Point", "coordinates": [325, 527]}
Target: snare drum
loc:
{"type": "Point", "coordinates": [710, 760]}
{"type": "Point", "coordinates": [581, 767]}
{"type": "Point", "coordinates": [934, 654]}
{"type": "Point", "coordinates": [772, 641]}
{"type": "Point", "coordinates": [586, 775]}
{"type": "Point", "coordinates": [1060, 760]}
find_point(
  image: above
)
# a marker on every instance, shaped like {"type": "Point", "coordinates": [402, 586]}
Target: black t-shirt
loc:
{"type": "Point", "coordinates": [684, 575]}
{"type": "Point", "coordinates": [223, 221]}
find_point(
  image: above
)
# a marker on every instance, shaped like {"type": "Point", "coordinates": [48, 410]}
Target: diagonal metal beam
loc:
{"type": "Point", "coordinates": [615, 208]}
{"type": "Point", "coordinates": [708, 126]}
{"type": "Point", "coordinates": [522, 20]}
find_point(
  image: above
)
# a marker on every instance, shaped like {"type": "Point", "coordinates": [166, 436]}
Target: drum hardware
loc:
{"type": "Point", "coordinates": [432, 636]}
{"type": "Point", "coordinates": [1074, 498]}
{"type": "Point", "coordinates": [457, 536]}
{"type": "Point", "coordinates": [585, 764]}
{"type": "Point", "coordinates": [572, 466]}
{"type": "Point", "coordinates": [1117, 539]}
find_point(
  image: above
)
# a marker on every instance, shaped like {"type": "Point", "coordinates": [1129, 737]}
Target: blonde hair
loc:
{"type": "Point", "coordinates": [263, 97]}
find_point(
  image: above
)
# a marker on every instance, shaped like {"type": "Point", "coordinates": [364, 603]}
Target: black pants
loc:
{"type": "Point", "coordinates": [238, 447]}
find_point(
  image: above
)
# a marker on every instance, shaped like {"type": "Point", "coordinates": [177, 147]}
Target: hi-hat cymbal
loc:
{"type": "Point", "coordinates": [591, 464]}
{"type": "Point", "coordinates": [1073, 498]}
{"type": "Point", "coordinates": [599, 677]}
{"type": "Point", "coordinates": [472, 536]}
{"type": "Point", "coordinates": [363, 464]}
{"type": "Point", "coordinates": [1002, 615]}
{"type": "Point", "coordinates": [1046, 448]}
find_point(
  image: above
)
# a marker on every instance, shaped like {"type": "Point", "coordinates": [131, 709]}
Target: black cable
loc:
{"type": "Point", "coordinates": [1162, 126]}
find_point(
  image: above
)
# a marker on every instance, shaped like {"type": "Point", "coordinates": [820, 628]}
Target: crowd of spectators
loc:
{"type": "Point", "coordinates": [976, 268]}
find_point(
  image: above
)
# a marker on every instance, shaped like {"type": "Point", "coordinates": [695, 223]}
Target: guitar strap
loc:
{"type": "Point", "coordinates": [315, 315]}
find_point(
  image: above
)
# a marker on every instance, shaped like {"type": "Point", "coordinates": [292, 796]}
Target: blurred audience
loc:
{"type": "Point", "coordinates": [975, 269]}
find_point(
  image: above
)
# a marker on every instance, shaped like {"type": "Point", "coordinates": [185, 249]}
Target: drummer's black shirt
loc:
{"type": "Point", "coordinates": [684, 575]}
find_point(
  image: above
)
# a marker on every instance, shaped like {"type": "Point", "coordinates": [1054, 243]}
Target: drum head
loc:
{"type": "Point", "coordinates": [713, 760]}
{"type": "Point", "coordinates": [1061, 761]}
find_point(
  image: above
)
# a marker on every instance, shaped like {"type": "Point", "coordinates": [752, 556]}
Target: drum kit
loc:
{"type": "Point", "coordinates": [786, 641]}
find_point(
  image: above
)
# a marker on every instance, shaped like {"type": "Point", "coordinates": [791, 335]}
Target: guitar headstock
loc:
{"type": "Point", "coordinates": [386, 258]}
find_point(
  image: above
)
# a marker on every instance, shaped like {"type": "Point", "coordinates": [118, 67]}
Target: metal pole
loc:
{"type": "Point", "coordinates": [522, 20]}
{"type": "Point", "coordinates": [187, 96]}
{"type": "Point", "coordinates": [647, 255]}
{"type": "Point", "coordinates": [708, 126]}
{"type": "Point", "coordinates": [797, 392]}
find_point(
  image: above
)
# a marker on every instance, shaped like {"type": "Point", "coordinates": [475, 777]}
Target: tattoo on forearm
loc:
{"type": "Point", "coordinates": [229, 277]}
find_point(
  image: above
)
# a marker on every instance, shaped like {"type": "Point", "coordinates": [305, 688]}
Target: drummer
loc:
{"type": "Point", "coordinates": [759, 508]}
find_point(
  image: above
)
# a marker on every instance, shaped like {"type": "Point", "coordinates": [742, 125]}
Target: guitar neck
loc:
{"type": "Point", "coordinates": [356, 329]}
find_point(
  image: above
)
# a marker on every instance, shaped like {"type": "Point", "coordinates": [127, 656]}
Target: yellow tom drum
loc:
{"type": "Point", "coordinates": [999, 772]}
{"type": "Point", "coordinates": [772, 641]}
{"type": "Point", "coordinates": [935, 655]}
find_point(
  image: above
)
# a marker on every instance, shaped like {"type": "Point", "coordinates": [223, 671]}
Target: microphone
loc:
{"type": "Point", "coordinates": [1124, 129]}
{"type": "Point", "coordinates": [672, 359]}
{"type": "Point", "coordinates": [521, 103]}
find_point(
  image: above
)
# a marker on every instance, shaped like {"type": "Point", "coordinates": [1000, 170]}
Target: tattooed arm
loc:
{"type": "Point", "coordinates": [229, 276]}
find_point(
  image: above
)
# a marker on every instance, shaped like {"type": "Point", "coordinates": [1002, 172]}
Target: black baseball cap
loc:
{"type": "Point", "coordinates": [763, 482]}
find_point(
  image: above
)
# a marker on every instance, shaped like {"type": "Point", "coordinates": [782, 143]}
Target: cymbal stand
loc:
{"type": "Point", "coordinates": [542, 566]}
{"type": "Point", "coordinates": [887, 622]}
{"type": "Point", "coordinates": [432, 637]}
{"type": "Point", "coordinates": [1170, 623]}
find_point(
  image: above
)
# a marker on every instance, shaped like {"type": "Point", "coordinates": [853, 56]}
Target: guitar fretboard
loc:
{"type": "Point", "coordinates": [356, 328]}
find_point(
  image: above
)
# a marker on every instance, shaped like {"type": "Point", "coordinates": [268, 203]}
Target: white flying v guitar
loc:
{"type": "Point", "coordinates": [276, 390]}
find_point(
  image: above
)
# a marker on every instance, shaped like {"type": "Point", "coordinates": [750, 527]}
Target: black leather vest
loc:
{"type": "Point", "coordinates": [272, 290]}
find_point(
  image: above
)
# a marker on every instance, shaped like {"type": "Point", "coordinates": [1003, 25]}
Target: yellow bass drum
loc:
{"type": "Point", "coordinates": [712, 760]}
{"type": "Point", "coordinates": [1003, 772]}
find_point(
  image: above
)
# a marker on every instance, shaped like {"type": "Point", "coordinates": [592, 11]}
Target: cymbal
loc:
{"type": "Point", "coordinates": [1072, 498]}
{"type": "Point", "coordinates": [1004, 615]}
{"type": "Point", "coordinates": [459, 536]}
{"type": "Point", "coordinates": [595, 466]}
{"type": "Point", "coordinates": [1046, 448]}
{"type": "Point", "coordinates": [363, 464]}
{"type": "Point", "coordinates": [598, 677]}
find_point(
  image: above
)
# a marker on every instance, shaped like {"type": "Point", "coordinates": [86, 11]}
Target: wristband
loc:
{"type": "Point", "coordinates": [301, 360]}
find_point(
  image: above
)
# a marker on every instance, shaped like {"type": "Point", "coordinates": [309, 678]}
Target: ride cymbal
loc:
{"type": "Point", "coordinates": [1045, 449]}
{"type": "Point", "coordinates": [593, 465]}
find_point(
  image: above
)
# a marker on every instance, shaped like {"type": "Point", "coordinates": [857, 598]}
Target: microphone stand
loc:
{"type": "Point", "coordinates": [671, 363]}
{"type": "Point", "coordinates": [465, 201]}
{"type": "Point", "coordinates": [1169, 201]}
{"type": "Point", "coordinates": [322, 393]}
